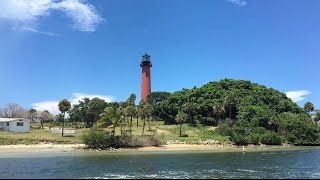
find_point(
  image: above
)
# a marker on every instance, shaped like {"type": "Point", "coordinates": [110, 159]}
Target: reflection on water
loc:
{"type": "Point", "coordinates": [275, 164]}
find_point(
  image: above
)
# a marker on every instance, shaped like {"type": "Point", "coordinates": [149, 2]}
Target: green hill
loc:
{"type": "Point", "coordinates": [246, 112]}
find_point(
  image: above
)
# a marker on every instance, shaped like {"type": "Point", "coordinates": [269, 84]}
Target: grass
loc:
{"type": "Point", "coordinates": [170, 132]}
{"type": "Point", "coordinates": [193, 133]}
{"type": "Point", "coordinates": [36, 136]}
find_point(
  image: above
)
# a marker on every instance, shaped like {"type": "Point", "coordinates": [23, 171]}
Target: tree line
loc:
{"type": "Point", "coordinates": [246, 112]}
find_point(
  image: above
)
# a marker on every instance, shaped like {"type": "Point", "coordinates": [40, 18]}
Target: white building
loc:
{"type": "Point", "coordinates": [15, 124]}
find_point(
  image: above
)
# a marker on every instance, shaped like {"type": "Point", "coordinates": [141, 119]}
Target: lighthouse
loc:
{"type": "Point", "coordinates": [146, 78]}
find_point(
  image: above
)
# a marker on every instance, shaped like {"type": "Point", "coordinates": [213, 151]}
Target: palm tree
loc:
{"type": "Point", "coordinates": [115, 114]}
{"type": "Point", "coordinates": [181, 118]}
{"type": "Point", "coordinates": [308, 107]}
{"type": "Point", "coordinates": [148, 108]}
{"type": "Point", "coordinates": [130, 111]}
{"type": "Point", "coordinates": [142, 113]}
{"type": "Point", "coordinates": [137, 113]}
{"type": "Point", "coordinates": [145, 111]}
{"type": "Point", "coordinates": [64, 106]}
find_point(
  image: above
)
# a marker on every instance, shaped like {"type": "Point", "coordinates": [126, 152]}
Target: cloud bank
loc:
{"type": "Point", "coordinates": [26, 13]}
{"type": "Point", "coordinates": [238, 2]}
{"type": "Point", "coordinates": [52, 106]}
{"type": "Point", "coordinates": [297, 96]}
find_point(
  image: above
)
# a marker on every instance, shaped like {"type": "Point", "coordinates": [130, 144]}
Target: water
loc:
{"type": "Point", "coordinates": [301, 163]}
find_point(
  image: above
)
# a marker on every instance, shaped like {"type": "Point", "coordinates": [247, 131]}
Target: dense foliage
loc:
{"type": "Point", "coordinates": [99, 138]}
{"type": "Point", "coordinates": [246, 112]}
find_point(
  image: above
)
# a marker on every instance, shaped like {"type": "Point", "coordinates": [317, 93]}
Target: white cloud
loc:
{"type": "Point", "coordinates": [37, 31]}
{"type": "Point", "coordinates": [79, 96]}
{"type": "Point", "coordinates": [52, 106]}
{"type": "Point", "coordinates": [297, 96]}
{"type": "Point", "coordinates": [238, 2]}
{"type": "Point", "coordinates": [26, 13]}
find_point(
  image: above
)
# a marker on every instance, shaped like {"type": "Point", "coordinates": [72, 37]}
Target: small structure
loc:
{"type": "Point", "coordinates": [15, 124]}
{"type": "Point", "coordinates": [66, 132]}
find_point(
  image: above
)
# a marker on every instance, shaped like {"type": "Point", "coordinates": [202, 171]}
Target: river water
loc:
{"type": "Point", "coordinates": [297, 163]}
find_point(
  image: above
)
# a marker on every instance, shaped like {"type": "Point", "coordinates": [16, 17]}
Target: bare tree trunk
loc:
{"type": "Point", "coordinates": [137, 121]}
{"type": "Point", "coordinates": [121, 129]}
{"type": "Point", "coordinates": [144, 124]}
{"type": "Point", "coordinates": [131, 125]}
{"type": "Point", "coordinates": [149, 124]}
{"type": "Point", "coordinates": [180, 129]}
{"type": "Point", "coordinates": [124, 127]}
{"type": "Point", "coordinates": [113, 130]}
{"type": "Point", "coordinates": [63, 122]}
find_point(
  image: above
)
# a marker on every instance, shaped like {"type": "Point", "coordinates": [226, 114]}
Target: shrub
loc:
{"type": "Point", "coordinates": [299, 129]}
{"type": "Point", "coordinates": [254, 138]}
{"type": "Point", "coordinates": [97, 138]}
{"type": "Point", "coordinates": [145, 141]}
{"type": "Point", "coordinates": [239, 135]}
{"type": "Point", "coordinates": [271, 138]}
{"type": "Point", "coordinates": [239, 139]}
{"type": "Point", "coordinates": [224, 130]}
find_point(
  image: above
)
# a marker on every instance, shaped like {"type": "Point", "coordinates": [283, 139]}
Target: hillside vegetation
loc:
{"type": "Point", "coordinates": [224, 111]}
{"type": "Point", "coordinates": [246, 112]}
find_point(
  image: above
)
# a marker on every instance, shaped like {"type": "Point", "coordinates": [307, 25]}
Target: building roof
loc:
{"type": "Point", "coordinates": [12, 119]}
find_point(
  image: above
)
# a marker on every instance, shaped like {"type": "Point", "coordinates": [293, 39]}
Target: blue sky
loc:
{"type": "Point", "coordinates": [55, 49]}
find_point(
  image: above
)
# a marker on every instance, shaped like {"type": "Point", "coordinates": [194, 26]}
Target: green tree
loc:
{"type": "Point", "coordinates": [308, 106]}
{"type": "Point", "coordinates": [59, 117]}
{"type": "Point", "coordinates": [181, 118]}
{"type": "Point", "coordinates": [231, 103]}
{"type": "Point", "coordinates": [317, 116]}
{"type": "Point", "coordinates": [130, 110]}
{"type": "Point", "coordinates": [218, 111]}
{"type": "Point", "coordinates": [64, 106]}
{"type": "Point", "coordinates": [145, 111]}
{"type": "Point", "coordinates": [155, 99]}
{"type": "Point", "coordinates": [148, 110]}
{"type": "Point", "coordinates": [115, 115]}
{"type": "Point", "coordinates": [142, 113]}
{"type": "Point", "coordinates": [96, 107]}
{"type": "Point", "coordinates": [132, 99]}
{"type": "Point", "coordinates": [137, 114]}
{"type": "Point", "coordinates": [80, 113]}
{"type": "Point", "coordinates": [190, 109]}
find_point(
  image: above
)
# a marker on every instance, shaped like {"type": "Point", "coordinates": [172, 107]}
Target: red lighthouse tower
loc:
{"type": "Point", "coordinates": [146, 78]}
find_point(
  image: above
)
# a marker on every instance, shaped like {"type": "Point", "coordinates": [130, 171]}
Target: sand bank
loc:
{"type": "Point", "coordinates": [34, 148]}
{"type": "Point", "coordinates": [7, 149]}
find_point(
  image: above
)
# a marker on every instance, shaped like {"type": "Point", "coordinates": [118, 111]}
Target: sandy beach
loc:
{"type": "Point", "coordinates": [8, 149]}
{"type": "Point", "coordinates": [33, 148]}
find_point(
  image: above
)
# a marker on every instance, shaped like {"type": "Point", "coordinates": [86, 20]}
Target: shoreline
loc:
{"type": "Point", "coordinates": [51, 148]}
